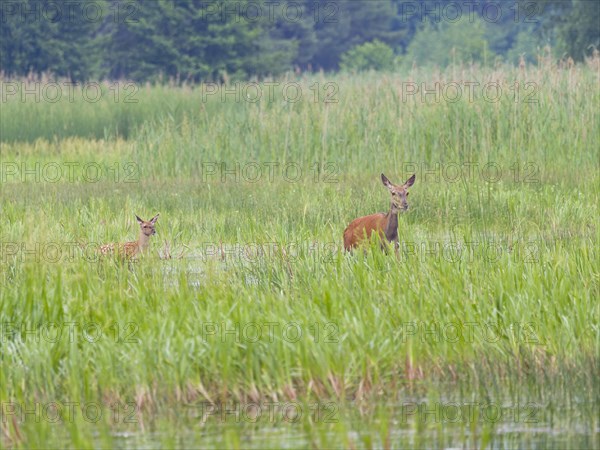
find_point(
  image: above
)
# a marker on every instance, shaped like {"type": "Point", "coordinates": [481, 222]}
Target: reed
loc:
{"type": "Point", "coordinates": [246, 294]}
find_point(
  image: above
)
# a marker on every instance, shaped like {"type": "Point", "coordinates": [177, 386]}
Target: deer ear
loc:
{"type": "Point", "coordinates": [139, 220]}
{"type": "Point", "coordinates": [410, 181]}
{"type": "Point", "coordinates": [154, 219]}
{"type": "Point", "coordinates": [387, 183]}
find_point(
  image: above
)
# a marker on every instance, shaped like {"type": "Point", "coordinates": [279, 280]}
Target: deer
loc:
{"type": "Point", "coordinates": [385, 225]}
{"type": "Point", "coordinates": [130, 250]}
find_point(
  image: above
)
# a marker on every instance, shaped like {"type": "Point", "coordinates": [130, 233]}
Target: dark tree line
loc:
{"type": "Point", "coordinates": [211, 39]}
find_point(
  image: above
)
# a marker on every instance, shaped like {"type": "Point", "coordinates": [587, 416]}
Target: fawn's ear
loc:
{"type": "Point", "coordinates": [154, 219]}
{"type": "Point", "coordinates": [387, 183]}
{"type": "Point", "coordinates": [410, 181]}
{"type": "Point", "coordinates": [140, 221]}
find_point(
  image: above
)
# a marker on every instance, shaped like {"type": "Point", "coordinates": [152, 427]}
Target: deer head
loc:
{"type": "Point", "coordinates": [399, 192]}
{"type": "Point", "coordinates": [147, 227]}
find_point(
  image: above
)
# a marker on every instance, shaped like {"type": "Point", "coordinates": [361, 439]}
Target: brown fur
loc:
{"type": "Point", "coordinates": [364, 227]}
{"type": "Point", "coordinates": [384, 225]}
{"type": "Point", "coordinates": [130, 250]}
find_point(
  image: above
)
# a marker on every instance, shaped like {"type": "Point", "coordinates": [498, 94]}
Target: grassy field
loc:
{"type": "Point", "coordinates": [483, 332]}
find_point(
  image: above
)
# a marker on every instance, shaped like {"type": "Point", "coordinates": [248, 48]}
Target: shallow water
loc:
{"type": "Point", "coordinates": [408, 424]}
{"type": "Point", "coordinates": [504, 437]}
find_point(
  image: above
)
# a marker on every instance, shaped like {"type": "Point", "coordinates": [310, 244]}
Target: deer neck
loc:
{"type": "Point", "coordinates": [143, 241]}
{"type": "Point", "coordinates": [391, 227]}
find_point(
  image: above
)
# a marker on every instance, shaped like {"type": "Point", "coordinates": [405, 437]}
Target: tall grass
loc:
{"type": "Point", "coordinates": [518, 254]}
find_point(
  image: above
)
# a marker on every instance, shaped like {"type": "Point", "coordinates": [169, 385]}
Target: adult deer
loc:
{"type": "Point", "coordinates": [385, 225]}
{"type": "Point", "coordinates": [132, 249]}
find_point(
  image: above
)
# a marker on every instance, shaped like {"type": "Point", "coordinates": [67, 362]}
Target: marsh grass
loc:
{"type": "Point", "coordinates": [520, 253]}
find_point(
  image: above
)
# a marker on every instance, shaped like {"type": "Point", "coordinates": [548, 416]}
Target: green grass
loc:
{"type": "Point", "coordinates": [514, 260]}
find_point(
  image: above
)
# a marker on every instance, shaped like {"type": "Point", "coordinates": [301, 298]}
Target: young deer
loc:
{"type": "Point", "coordinates": [132, 249]}
{"type": "Point", "coordinates": [386, 225]}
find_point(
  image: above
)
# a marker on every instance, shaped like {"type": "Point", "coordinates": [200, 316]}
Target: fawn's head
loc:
{"type": "Point", "coordinates": [399, 192]}
{"type": "Point", "coordinates": [148, 227]}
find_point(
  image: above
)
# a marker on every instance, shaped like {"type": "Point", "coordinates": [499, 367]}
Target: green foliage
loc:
{"type": "Point", "coordinates": [528, 45]}
{"type": "Point", "coordinates": [238, 39]}
{"type": "Point", "coordinates": [579, 31]}
{"type": "Point", "coordinates": [373, 55]}
{"type": "Point", "coordinates": [514, 259]}
{"type": "Point", "coordinates": [187, 40]}
{"type": "Point", "coordinates": [37, 36]}
{"type": "Point", "coordinates": [570, 27]}
{"type": "Point", "coordinates": [463, 41]}
{"type": "Point", "coordinates": [300, 32]}
{"type": "Point", "coordinates": [347, 23]}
